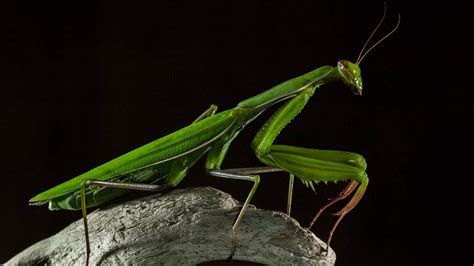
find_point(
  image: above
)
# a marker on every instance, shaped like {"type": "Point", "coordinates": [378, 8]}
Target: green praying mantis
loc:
{"type": "Point", "coordinates": [163, 163]}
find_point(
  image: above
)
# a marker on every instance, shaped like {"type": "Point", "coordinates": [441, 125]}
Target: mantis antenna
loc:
{"type": "Point", "coordinates": [362, 54]}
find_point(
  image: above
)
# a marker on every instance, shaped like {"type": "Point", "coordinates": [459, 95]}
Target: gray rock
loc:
{"type": "Point", "coordinates": [183, 227]}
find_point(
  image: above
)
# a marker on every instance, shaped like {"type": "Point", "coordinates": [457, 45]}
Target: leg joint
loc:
{"type": "Point", "coordinates": [256, 179]}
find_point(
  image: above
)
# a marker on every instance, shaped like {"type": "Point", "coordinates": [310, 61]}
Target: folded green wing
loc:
{"type": "Point", "coordinates": [170, 146]}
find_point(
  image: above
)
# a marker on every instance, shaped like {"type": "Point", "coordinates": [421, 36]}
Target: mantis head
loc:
{"type": "Point", "coordinates": [350, 75]}
{"type": "Point", "coordinates": [350, 72]}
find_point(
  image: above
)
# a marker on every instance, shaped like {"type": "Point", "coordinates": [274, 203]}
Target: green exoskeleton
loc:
{"type": "Point", "coordinates": [164, 162]}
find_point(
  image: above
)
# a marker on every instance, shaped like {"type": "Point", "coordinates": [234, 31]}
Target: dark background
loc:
{"type": "Point", "coordinates": [83, 83]}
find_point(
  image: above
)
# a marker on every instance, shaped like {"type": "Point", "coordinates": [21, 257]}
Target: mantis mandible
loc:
{"type": "Point", "coordinates": [163, 163]}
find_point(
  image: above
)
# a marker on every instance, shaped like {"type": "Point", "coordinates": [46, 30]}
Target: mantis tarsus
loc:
{"type": "Point", "coordinates": [164, 162]}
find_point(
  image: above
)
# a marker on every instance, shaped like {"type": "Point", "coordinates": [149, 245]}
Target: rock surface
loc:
{"type": "Point", "coordinates": [183, 227]}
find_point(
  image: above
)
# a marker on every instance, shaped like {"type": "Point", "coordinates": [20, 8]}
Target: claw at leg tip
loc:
{"type": "Point", "coordinates": [231, 255]}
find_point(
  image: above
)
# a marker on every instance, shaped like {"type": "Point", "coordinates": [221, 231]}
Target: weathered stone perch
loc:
{"type": "Point", "coordinates": [182, 227]}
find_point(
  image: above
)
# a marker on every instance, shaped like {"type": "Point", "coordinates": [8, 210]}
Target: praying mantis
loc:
{"type": "Point", "coordinates": [163, 163]}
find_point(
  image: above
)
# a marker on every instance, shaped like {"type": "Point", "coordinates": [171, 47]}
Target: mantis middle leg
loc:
{"type": "Point", "coordinates": [214, 160]}
{"type": "Point", "coordinates": [247, 174]}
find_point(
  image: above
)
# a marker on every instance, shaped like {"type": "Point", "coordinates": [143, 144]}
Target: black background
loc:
{"type": "Point", "coordinates": [83, 83]}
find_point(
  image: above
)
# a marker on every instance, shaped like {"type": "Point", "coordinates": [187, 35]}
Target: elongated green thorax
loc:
{"type": "Point", "coordinates": [291, 87]}
{"type": "Point", "coordinates": [345, 71]}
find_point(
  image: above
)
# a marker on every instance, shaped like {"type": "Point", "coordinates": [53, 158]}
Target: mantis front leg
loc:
{"type": "Point", "coordinates": [310, 165]}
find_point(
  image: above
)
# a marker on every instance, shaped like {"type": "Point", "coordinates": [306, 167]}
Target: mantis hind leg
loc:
{"type": "Point", "coordinates": [208, 112]}
{"type": "Point", "coordinates": [177, 173]}
{"type": "Point", "coordinates": [89, 182]}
